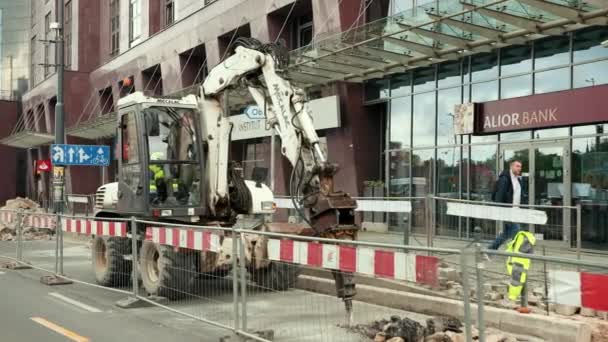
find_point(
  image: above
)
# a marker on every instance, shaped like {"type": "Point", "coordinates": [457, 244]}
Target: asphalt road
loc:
{"type": "Point", "coordinates": [294, 315]}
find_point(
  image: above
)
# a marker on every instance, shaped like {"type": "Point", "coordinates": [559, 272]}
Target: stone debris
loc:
{"type": "Point", "coordinates": [8, 229]}
{"type": "Point", "coordinates": [405, 329]}
{"type": "Point", "coordinates": [564, 309]}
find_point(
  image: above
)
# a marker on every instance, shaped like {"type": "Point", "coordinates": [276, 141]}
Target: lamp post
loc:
{"type": "Point", "coordinates": [59, 171]}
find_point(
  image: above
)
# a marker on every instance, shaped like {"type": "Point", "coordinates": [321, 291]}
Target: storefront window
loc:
{"type": "Point", "coordinates": [422, 181]}
{"type": "Point", "coordinates": [446, 100]}
{"type": "Point", "coordinates": [484, 92]}
{"type": "Point", "coordinates": [551, 133]}
{"type": "Point", "coordinates": [399, 173]}
{"type": "Point", "coordinates": [590, 129]}
{"type": "Point", "coordinates": [424, 79]}
{"type": "Point", "coordinates": [552, 80]}
{"type": "Point", "coordinates": [590, 188]}
{"type": "Point", "coordinates": [516, 86]}
{"type": "Point", "coordinates": [484, 66]}
{"type": "Point", "coordinates": [424, 119]}
{"type": "Point", "coordinates": [515, 136]}
{"type": "Point", "coordinates": [449, 74]}
{"type": "Point", "coordinates": [587, 44]}
{"type": "Point", "coordinates": [590, 74]}
{"type": "Point", "coordinates": [448, 171]}
{"type": "Point", "coordinates": [400, 123]}
{"type": "Point", "coordinates": [515, 60]}
{"type": "Point", "coordinates": [552, 52]}
{"type": "Point", "coordinates": [482, 171]}
{"type": "Point", "coordinates": [401, 85]}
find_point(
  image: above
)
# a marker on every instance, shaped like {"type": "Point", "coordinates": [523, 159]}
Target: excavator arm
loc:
{"type": "Point", "coordinates": [330, 213]}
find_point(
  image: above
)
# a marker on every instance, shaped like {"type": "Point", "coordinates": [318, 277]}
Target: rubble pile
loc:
{"type": "Point", "coordinates": [437, 329]}
{"type": "Point", "coordinates": [8, 229]}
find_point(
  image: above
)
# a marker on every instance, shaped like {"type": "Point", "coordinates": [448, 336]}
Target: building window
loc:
{"type": "Point", "coordinates": [67, 35]}
{"type": "Point", "coordinates": [134, 22]}
{"type": "Point", "coordinates": [47, 31]}
{"type": "Point", "coordinates": [33, 61]}
{"type": "Point", "coordinates": [303, 30]}
{"type": "Point", "coordinates": [114, 27]}
{"type": "Point", "coordinates": [169, 12]}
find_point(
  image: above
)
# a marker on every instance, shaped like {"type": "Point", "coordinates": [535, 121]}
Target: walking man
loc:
{"type": "Point", "coordinates": [508, 190]}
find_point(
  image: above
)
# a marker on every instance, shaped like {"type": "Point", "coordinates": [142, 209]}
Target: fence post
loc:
{"type": "Point", "coordinates": [428, 221]}
{"type": "Point", "coordinates": [479, 266]}
{"type": "Point", "coordinates": [58, 227]}
{"type": "Point", "coordinates": [134, 258]}
{"type": "Point", "coordinates": [546, 281]}
{"type": "Point", "coordinates": [243, 269]}
{"type": "Point", "coordinates": [60, 237]}
{"type": "Point", "coordinates": [18, 227]}
{"type": "Point", "coordinates": [466, 292]}
{"type": "Point", "coordinates": [579, 212]}
{"type": "Point", "coordinates": [235, 281]}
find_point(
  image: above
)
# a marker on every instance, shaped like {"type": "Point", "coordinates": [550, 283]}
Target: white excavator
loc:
{"type": "Point", "coordinates": [173, 167]}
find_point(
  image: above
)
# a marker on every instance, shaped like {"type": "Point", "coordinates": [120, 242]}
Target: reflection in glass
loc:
{"type": "Point", "coordinates": [484, 66]}
{"type": "Point", "coordinates": [448, 171]}
{"type": "Point", "coordinates": [483, 92]}
{"type": "Point", "coordinates": [424, 79]}
{"type": "Point", "coordinates": [400, 123]}
{"type": "Point", "coordinates": [422, 181]}
{"type": "Point", "coordinates": [587, 44]}
{"type": "Point", "coordinates": [482, 176]}
{"type": "Point", "coordinates": [551, 133]}
{"type": "Point", "coordinates": [424, 119]}
{"type": "Point", "coordinates": [401, 85]}
{"type": "Point", "coordinates": [398, 185]}
{"type": "Point", "coordinates": [590, 188]}
{"type": "Point", "coordinates": [516, 86]}
{"type": "Point", "coordinates": [552, 52]}
{"type": "Point", "coordinates": [515, 136]}
{"type": "Point", "coordinates": [590, 74]}
{"type": "Point", "coordinates": [590, 129]}
{"type": "Point", "coordinates": [515, 60]}
{"type": "Point", "coordinates": [449, 74]}
{"type": "Point", "coordinates": [446, 100]}
{"type": "Point", "coordinates": [553, 80]}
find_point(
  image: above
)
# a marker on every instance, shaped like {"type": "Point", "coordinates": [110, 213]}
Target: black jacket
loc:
{"type": "Point", "coordinates": [504, 188]}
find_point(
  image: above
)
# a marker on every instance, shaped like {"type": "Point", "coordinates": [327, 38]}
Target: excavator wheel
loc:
{"type": "Point", "coordinates": [165, 272]}
{"type": "Point", "coordinates": [109, 264]}
{"type": "Point", "coordinates": [278, 276]}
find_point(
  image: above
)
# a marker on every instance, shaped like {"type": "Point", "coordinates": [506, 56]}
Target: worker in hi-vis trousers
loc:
{"type": "Point", "coordinates": [517, 267]}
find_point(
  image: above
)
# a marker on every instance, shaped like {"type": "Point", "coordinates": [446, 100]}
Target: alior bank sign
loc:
{"type": "Point", "coordinates": [557, 109]}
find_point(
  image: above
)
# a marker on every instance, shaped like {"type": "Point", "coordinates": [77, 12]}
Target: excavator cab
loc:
{"type": "Point", "coordinates": [160, 164]}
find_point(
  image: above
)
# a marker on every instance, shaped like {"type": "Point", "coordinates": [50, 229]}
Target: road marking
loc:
{"type": "Point", "coordinates": [1, 272]}
{"type": "Point", "coordinates": [60, 330]}
{"type": "Point", "coordinates": [74, 302]}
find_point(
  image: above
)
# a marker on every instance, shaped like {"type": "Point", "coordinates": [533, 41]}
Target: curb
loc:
{"type": "Point", "coordinates": [549, 328]}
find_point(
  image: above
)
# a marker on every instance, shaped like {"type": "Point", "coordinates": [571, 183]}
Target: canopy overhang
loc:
{"type": "Point", "coordinates": [427, 35]}
{"type": "Point", "coordinates": [27, 139]}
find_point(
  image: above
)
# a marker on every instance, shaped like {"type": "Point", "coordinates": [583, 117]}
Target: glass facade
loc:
{"type": "Point", "coordinates": [421, 140]}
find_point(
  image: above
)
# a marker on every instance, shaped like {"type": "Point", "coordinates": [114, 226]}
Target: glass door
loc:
{"type": "Point", "coordinates": [545, 182]}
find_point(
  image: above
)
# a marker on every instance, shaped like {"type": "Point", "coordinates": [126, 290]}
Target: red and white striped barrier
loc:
{"type": "Point", "coordinates": [92, 227]}
{"type": "Point", "coordinates": [41, 221]}
{"type": "Point", "coordinates": [364, 260]}
{"type": "Point", "coordinates": [199, 240]}
{"type": "Point", "coordinates": [588, 290]}
{"type": "Point", "coordinates": [7, 216]}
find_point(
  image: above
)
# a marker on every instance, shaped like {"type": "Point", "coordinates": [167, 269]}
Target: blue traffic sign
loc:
{"type": "Point", "coordinates": [92, 155]}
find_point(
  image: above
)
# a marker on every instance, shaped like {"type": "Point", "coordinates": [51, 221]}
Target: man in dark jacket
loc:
{"type": "Point", "coordinates": [508, 190]}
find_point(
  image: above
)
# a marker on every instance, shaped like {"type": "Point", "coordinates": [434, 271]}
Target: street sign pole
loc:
{"type": "Point", "coordinates": [59, 182]}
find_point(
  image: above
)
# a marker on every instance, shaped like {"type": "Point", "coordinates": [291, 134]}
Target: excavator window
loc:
{"type": "Point", "coordinates": [174, 168]}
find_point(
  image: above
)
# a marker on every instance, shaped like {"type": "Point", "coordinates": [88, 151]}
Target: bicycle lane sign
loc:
{"type": "Point", "coordinates": [84, 155]}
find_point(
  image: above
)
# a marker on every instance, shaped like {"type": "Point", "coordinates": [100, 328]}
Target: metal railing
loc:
{"type": "Point", "coordinates": [217, 276]}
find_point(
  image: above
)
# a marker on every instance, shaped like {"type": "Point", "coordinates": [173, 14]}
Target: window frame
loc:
{"type": "Point", "coordinates": [134, 22]}
{"type": "Point", "coordinates": [169, 12]}
{"type": "Point", "coordinates": [67, 35]}
{"type": "Point", "coordinates": [114, 27]}
{"type": "Point", "coordinates": [47, 49]}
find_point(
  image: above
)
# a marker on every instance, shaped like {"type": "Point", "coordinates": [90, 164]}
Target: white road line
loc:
{"type": "Point", "coordinates": [1, 272]}
{"type": "Point", "coordinates": [74, 302]}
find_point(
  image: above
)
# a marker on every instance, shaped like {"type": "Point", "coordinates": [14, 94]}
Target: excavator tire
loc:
{"type": "Point", "coordinates": [109, 265]}
{"type": "Point", "coordinates": [278, 276]}
{"type": "Point", "coordinates": [165, 272]}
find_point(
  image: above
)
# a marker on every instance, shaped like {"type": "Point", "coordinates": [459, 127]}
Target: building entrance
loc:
{"type": "Point", "coordinates": [546, 183]}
